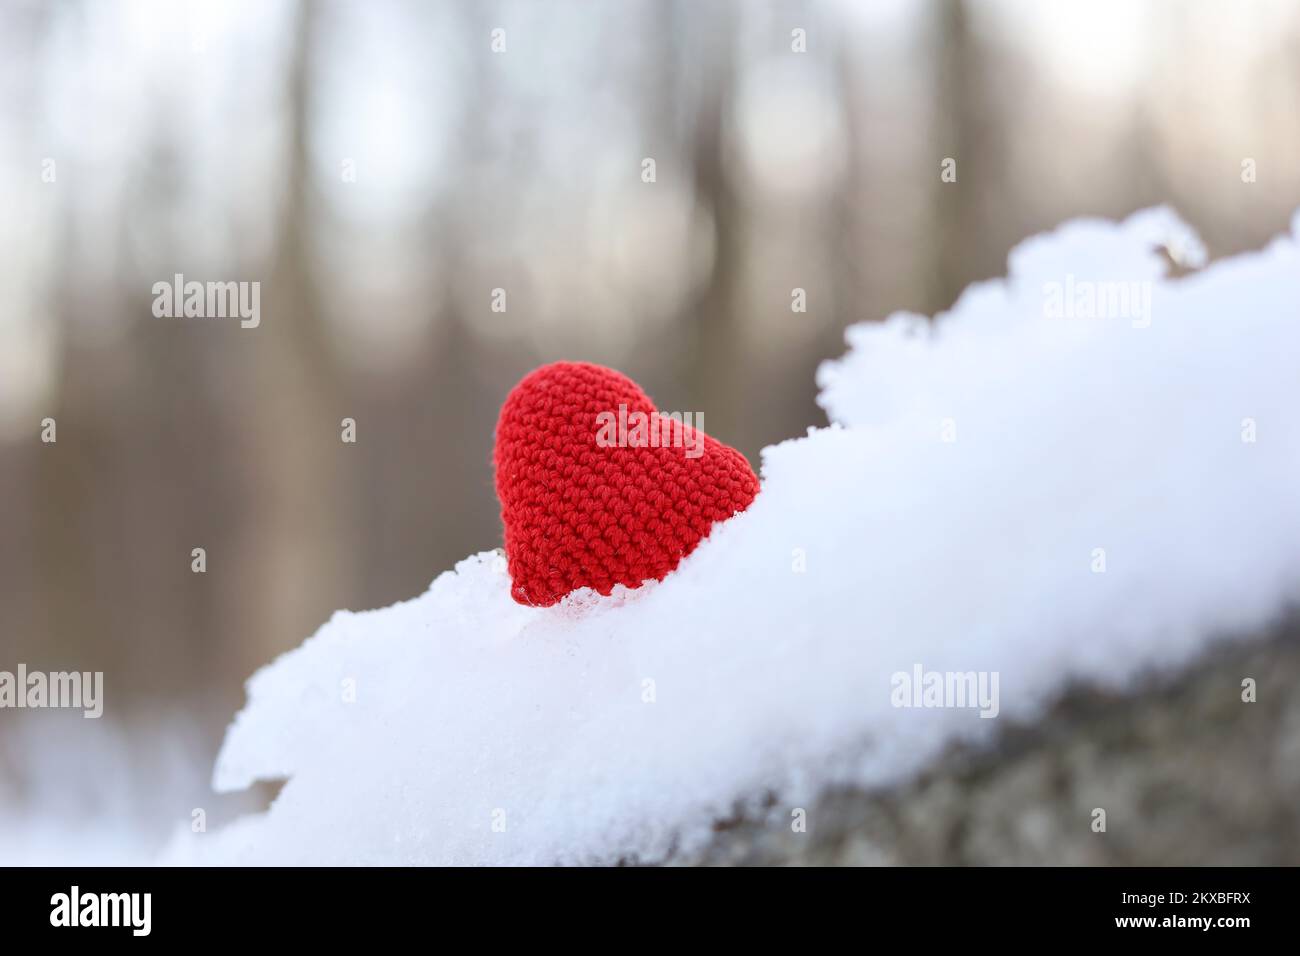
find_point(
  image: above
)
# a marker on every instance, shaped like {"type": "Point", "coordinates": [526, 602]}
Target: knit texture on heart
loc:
{"type": "Point", "coordinates": [577, 514]}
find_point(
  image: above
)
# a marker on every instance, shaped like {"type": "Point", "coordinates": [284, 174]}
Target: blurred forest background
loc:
{"type": "Point", "coordinates": [380, 169]}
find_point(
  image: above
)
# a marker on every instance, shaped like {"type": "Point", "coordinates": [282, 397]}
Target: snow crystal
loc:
{"type": "Point", "coordinates": [1008, 489]}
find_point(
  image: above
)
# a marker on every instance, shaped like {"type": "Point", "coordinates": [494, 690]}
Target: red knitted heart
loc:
{"type": "Point", "coordinates": [587, 503]}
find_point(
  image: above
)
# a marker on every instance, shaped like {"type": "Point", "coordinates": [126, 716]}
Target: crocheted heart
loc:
{"type": "Point", "coordinates": [599, 488]}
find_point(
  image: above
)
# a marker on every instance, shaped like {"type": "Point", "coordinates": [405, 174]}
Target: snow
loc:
{"type": "Point", "coordinates": [950, 517]}
{"type": "Point", "coordinates": [77, 792]}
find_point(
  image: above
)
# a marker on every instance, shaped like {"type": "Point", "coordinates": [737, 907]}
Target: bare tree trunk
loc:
{"type": "Point", "coordinates": [961, 134]}
{"type": "Point", "coordinates": [304, 569]}
{"type": "Point", "coordinates": [717, 361]}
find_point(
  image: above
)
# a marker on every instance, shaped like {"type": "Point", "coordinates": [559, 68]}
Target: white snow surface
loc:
{"type": "Point", "coordinates": [485, 732]}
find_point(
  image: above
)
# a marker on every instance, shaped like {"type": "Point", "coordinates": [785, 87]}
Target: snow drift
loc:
{"type": "Point", "coordinates": [1050, 482]}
